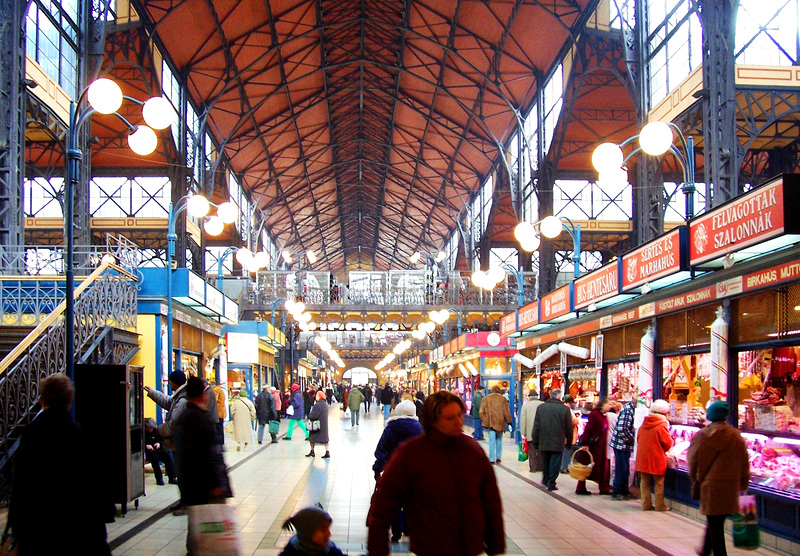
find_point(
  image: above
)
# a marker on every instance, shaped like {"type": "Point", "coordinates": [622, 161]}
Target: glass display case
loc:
{"type": "Point", "coordinates": [687, 387]}
{"type": "Point", "coordinates": [622, 381]}
{"type": "Point", "coordinates": [769, 391]}
{"type": "Point", "coordinates": [583, 385]}
{"type": "Point", "coordinates": [774, 461]}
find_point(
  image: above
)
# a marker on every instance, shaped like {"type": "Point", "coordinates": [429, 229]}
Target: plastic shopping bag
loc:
{"type": "Point", "coordinates": [212, 530]}
{"type": "Point", "coordinates": [347, 413]}
{"type": "Point", "coordinates": [523, 454]}
{"type": "Point", "coordinates": [746, 533]}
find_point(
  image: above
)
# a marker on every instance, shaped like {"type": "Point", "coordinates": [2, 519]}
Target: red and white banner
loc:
{"type": "Point", "coordinates": [597, 285]}
{"type": "Point", "coordinates": [508, 324]}
{"type": "Point", "coordinates": [652, 261]}
{"type": "Point", "coordinates": [555, 303]}
{"type": "Point", "coordinates": [748, 220]}
{"type": "Point", "coordinates": [528, 316]}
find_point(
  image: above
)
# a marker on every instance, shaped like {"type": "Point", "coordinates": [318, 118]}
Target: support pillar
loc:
{"type": "Point", "coordinates": [12, 125]}
{"type": "Point", "coordinates": [718, 19]}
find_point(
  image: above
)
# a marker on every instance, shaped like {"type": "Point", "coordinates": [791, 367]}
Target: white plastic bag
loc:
{"type": "Point", "coordinates": [212, 530]}
{"type": "Point", "coordinates": [289, 410]}
{"type": "Point", "coordinates": [347, 413]}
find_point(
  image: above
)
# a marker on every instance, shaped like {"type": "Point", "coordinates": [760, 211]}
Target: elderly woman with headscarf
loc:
{"type": "Point", "coordinates": [243, 413]}
{"type": "Point", "coordinates": [654, 441]}
{"type": "Point", "coordinates": [318, 425]}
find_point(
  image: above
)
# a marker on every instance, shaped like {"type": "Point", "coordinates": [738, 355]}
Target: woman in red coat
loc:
{"type": "Point", "coordinates": [653, 442]}
{"type": "Point", "coordinates": [595, 440]}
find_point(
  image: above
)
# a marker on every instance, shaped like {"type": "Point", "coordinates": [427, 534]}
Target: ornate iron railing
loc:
{"type": "Point", "coordinates": [106, 298]}
{"type": "Point", "coordinates": [389, 289]}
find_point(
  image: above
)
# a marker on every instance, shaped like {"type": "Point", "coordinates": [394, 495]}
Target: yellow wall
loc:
{"type": "Point", "coordinates": [146, 356]}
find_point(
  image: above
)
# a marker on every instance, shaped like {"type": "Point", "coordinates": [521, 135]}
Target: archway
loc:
{"type": "Point", "coordinates": [360, 375]}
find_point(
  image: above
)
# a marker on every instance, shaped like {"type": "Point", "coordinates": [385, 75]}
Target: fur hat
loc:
{"type": "Point", "coordinates": [406, 407]}
{"type": "Point", "coordinates": [660, 406]}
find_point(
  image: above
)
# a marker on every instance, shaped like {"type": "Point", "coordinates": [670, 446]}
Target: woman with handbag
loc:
{"type": "Point", "coordinates": [653, 442]}
{"type": "Point", "coordinates": [595, 440]}
{"type": "Point", "coordinates": [719, 470]}
{"type": "Point", "coordinates": [294, 412]}
{"type": "Point", "coordinates": [243, 413]}
{"type": "Point", "coordinates": [318, 425]}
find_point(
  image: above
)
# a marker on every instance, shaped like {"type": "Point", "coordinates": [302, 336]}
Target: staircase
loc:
{"type": "Point", "coordinates": [105, 320]}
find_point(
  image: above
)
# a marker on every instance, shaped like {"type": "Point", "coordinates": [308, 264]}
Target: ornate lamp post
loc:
{"type": "Point", "coordinates": [103, 96]}
{"type": "Point", "coordinates": [198, 206]}
{"type": "Point", "coordinates": [655, 139]}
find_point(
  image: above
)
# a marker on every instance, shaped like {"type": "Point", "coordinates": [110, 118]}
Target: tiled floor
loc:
{"type": "Point", "coordinates": [274, 480]}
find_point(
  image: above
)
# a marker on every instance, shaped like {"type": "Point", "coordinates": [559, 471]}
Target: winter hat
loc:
{"type": "Point", "coordinates": [406, 407]}
{"type": "Point", "coordinates": [533, 394]}
{"type": "Point", "coordinates": [177, 377]}
{"type": "Point", "coordinates": [295, 387]}
{"type": "Point", "coordinates": [660, 406]}
{"type": "Point", "coordinates": [718, 411]}
{"type": "Point", "coordinates": [321, 395]}
{"type": "Point", "coordinates": [194, 387]}
{"type": "Point", "coordinates": [243, 394]}
{"type": "Point", "coordinates": [306, 522]}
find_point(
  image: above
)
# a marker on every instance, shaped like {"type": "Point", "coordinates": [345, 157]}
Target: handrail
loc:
{"type": "Point", "coordinates": [43, 326]}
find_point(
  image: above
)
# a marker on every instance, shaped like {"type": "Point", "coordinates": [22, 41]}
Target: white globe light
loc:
{"type": "Point", "coordinates": [655, 138]}
{"type": "Point", "coordinates": [158, 113]}
{"type": "Point", "coordinates": [551, 227]}
{"type": "Point", "coordinates": [287, 256]}
{"type": "Point", "coordinates": [104, 96]}
{"type": "Point", "coordinates": [289, 305]}
{"type": "Point", "coordinates": [108, 258]}
{"type": "Point", "coordinates": [311, 256]}
{"type": "Point", "coordinates": [143, 141]}
{"type": "Point", "coordinates": [244, 256]}
{"type": "Point", "coordinates": [606, 156]}
{"type": "Point", "coordinates": [440, 256]}
{"type": "Point", "coordinates": [261, 259]}
{"type": "Point", "coordinates": [305, 317]}
{"type": "Point", "coordinates": [414, 257]}
{"type": "Point", "coordinates": [478, 278]}
{"type": "Point", "coordinates": [531, 245]}
{"type": "Point", "coordinates": [614, 178]}
{"type": "Point", "coordinates": [228, 212]}
{"type": "Point", "coordinates": [198, 206]}
{"type": "Point", "coordinates": [214, 226]}
{"type": "Point", "coordinates": [524, 232]}
{"type": "Point", "coordinates": [299, 307]}
{"type": "Point", "coordinates": [495, 275]}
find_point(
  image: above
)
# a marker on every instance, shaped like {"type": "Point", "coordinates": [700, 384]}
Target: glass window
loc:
{"type": "Point", "coordinates": [553, 99]}
{"type": "Point", "coordinates": [675, 44]}
{"type": "Point", "coordinates": [687, 387]}
{"type": "Point", "coordinates": [767, 32]}
{"type": "Point", "coordinates": [622, 381]}
{"type": "Point", "coordinates": [769, 390]}
{"type": "Point", "coordinates": [52, 34]}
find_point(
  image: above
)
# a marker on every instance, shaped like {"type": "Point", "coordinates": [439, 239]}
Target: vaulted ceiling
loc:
{"type": "Point", "coordinates": [362, 128]}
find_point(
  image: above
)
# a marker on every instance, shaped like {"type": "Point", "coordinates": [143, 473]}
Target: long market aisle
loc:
{"type": "Point", "coordinates": [272, 481]}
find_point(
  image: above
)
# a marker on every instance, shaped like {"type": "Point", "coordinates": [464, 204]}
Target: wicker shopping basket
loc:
{"type": "Point", "coordinates": [578, 470]}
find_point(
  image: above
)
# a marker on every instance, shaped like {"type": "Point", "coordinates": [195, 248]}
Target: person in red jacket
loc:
{"type": "Point", "coordinates": [446, 486]}
{"type": "Point", "coordinates": [651, 454]}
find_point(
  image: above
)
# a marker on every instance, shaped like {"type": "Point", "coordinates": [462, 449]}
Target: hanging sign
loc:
{"type": "Point", "coordinates": [688, 299]}
{"type": "Point", "coordinates": [597, 285]}
{"type": "Point", "coordinates": [508, 324]}
{"type": "Point", "coordinates": [747, 220]}
{"type": "Point", "coordinates": [556, 303]}
{"type": "Point", "coordinates": [528, 316]}
{"type": "Point", "coordinates": [654, 260]}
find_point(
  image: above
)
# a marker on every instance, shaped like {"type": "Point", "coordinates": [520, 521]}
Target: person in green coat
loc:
{"type": "Point", "coordinates": [354, 399]}
{"type": "Point", "coordinates": [475, 412]}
